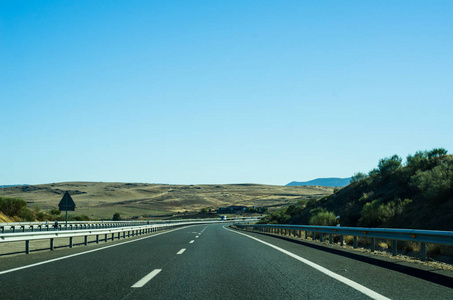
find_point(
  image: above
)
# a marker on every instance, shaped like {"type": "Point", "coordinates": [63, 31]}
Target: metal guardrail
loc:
{"type": "Point", "coordinates": [46, 226]}
{"type": "Point", "coordinates": [395, 235]}
{"type": "Point", "coordinates": [130, 230]}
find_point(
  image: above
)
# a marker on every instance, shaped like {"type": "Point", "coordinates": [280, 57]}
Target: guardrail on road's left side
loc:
{"type": "Point", "coordinates": [108, 233]}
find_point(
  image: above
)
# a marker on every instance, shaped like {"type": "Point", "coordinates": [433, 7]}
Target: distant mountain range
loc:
{"type": "Point", "coordinates": [7, 186]}
{"type": "Point", "coordinates": [323, 182]}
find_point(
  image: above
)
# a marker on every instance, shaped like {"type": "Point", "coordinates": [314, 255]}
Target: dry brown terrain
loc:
{"type": "Point", "coordinates": [103, 199]}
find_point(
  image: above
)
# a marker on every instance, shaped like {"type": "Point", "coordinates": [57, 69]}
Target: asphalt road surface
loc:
{"type": "Point", "coordinates": [213, 262]}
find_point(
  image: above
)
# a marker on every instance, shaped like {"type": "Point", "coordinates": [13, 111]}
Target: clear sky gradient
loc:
{"type": "Point", "coordinates": [198, 92]}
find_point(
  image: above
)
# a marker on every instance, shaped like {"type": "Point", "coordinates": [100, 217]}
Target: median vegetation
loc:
{"type": "Point", "coordinates": [415, 194]}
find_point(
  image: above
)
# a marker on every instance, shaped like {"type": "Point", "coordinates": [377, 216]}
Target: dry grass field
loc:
{"type": "Point", "coordinates": [103, 199]}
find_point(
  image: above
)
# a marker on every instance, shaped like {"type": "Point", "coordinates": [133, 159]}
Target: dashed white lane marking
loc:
{"type": "Point", "coordinates": [197, 236]}
{"type": "Point", "coordinates": [147, 278]}
{"type": "Point", "coordinates": [181, 251]}
{"type": "Point", "coordinates": [191, 242]}
{"type": "Point", "coordinates": [353, 284]}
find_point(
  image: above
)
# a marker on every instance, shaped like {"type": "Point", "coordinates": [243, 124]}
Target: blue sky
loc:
{"type": "Point", "coordinates": [198, 92]}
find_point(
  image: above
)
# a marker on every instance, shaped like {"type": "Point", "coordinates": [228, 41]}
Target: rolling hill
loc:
{"type": "Point", "coordinates": [103, 199]}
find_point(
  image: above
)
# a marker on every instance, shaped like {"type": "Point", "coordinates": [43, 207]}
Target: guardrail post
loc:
{"type": "Point", "coordinates": [27, 247]}
{"type": "Point", "coordinates": [313, 235]}
{"type": "Point", "coordinates": [306, 235]}
{"type": "Point", "coordinates": [119, 233]}
{"type": "Point", "coordinates": [13, 228]}
{"type": "Point", "coordinates": [355, 242]}
{"type": "Point", "coordinates": [52, 244]}
{"type": "Point", "coordinates": [23, 228]}
{"type": "Point", "coordinates": [106, 237]}
{"type": "Point", "coordinates": [71, 242]}
{"type": "Point", "coordinates": [423, 251]}
{"type": "Point", "coordinates": [113, 236]}
{"type": "Point", "coordinates": [300, 233]}
{"type": "Point", "coordinates": [86, 240]}
{"type": "Point", "coordinates": [341, 240]}
{"type": "Point", "coordinates": [394, 247]}
{"type": "Point", "coordinates": [372, 244]}
{"type": "Point", "coordinates": [330, 239]}
{"type": "Point", "coordinates": [3, 229]}
{"type": "Point", "coordinates": [321, 237]}
{"type": "Point", "coordinates": [32, 228]}
{"type": "Point", "coordinates": [97, 238]}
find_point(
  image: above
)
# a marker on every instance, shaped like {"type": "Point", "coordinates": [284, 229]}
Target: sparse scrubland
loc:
{"type": "Point", "coordinates": [110, 200]}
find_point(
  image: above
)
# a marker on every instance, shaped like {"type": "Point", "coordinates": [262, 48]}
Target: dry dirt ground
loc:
{"type": "Point", "coordinates": [103, 199]}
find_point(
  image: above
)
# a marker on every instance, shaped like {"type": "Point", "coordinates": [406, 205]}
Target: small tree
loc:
{"type": "Point", "coordinates": [358, 176]}
{"type": "Point", "coordinates": [437, 152]}
{"type": "Point", "coordinates": [418, 161]}
{"type": "Point", "coordinates": [388, 165]}
{"type": "Point", "coordinates": [116, 217]}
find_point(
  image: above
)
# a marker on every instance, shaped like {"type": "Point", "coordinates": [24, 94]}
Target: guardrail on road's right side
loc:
{"type": "Point", "coordinates": [421, 236]}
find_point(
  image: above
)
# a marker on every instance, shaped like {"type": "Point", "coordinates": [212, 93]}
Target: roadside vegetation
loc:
{"type": "Point", "coordinates": [416, 194]}
{"type": "Point", "coordinates": [16, 210]}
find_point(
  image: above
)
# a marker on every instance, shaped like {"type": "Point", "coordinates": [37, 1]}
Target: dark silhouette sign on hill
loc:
{"type": "Point", "coordinates": [66, 203]}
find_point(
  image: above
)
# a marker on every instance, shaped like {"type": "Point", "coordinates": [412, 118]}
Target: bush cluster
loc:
{"type": "Point", "coordinates": [391, 194]}
{"type": "Point", "coordinates": [375, 213]}
{"type": "Point", "coordinates": [17, 208]}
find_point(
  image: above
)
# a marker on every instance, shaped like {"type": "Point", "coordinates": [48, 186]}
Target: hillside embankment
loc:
{"type": "Point", "coordinates": [5, 219]}
{"type": "Point", "coordinates": [417, 195]}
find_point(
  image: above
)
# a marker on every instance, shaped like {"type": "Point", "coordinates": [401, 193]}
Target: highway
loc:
{"type": "Point", "coordinates": [214, 262]}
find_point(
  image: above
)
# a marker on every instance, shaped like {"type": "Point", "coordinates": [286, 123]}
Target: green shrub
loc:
{"type": "Point", "coordinates": [26, 214]}
{"type": "Point", "coordinates": [436, 184]}
{"type": "Point", "coordinates": [12, 206]}
{"type": "Point", "coordinates": [323, 218]}
{"type": "Point", "coordinates": [375, 213]}
{"type": "Point", "coordinates": [312, 202]}
{"type": "Point", "coordinates": [366, 197]}
{"type": "Point", "coordinates": [302, 202]}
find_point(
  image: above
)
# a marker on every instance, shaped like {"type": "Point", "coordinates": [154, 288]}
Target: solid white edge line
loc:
{"type": "Point", "coordinates": [181, 251]}
{"type": "Point", "coordinates": [86, 252]}
{"type": "Point", "coordinates": [340, 278]}
{"type": "Point", "coordinates": [147, 278]}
